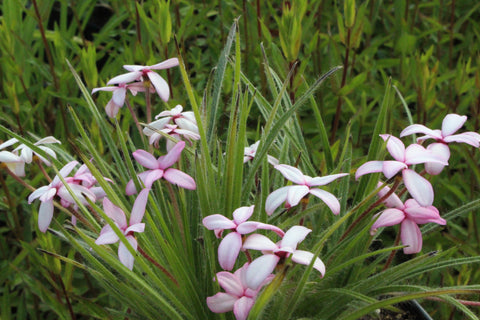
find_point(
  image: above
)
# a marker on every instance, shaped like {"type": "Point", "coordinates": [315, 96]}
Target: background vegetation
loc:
{"type": "Point", "coordinates": [405, 58]}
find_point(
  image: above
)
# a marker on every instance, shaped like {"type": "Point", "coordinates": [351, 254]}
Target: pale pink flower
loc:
{"type": "Point", "coordinates": [56, 188]}
{"type": "Point", "coordinates": [451, 123]}
{"type": "Point", "coordinates": [26, 154]}
{"type": "Point", "coordinates": [418, 187]}
{"type": "Point", "coordinates": [160, 168]}
{"type": "Point", "coordinates": [251, 151]}
{"type": "Point", "coordinates": [292, 195]}
{"type": "Point", "coordinates": [13, 162]}
{"type": "Point", "coordinates": [408, 215]}
{"type": "Point", "coordinates": [238, 297]}
{"type": "Point", "coordinates": [273, 253]}
{"type": "Point", "coordinates": [108, 235]}
{"type": "Point", "coordinates": [138, 73]}
{"type": "Point", "coordinates": [183, 119]}
{"type": "Point", "coordinates": [173, 131]}
{"type": "Point", "coordinates": [119, 95]}
{"type": "Point", "coordinates": [231, 244]}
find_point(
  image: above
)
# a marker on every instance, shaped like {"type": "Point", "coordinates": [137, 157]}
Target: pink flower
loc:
{"type": "Point", "coordinates": [451, 123]}
{"type": "Point", "coordinates": [46, 194]}
{"type": "Point", "coordinates": [273, 253]}
{"type": "Point", "coordinates": [419, 187]}
{"type": "Point", "coordinates": [119, 94]}
{"type": "Point", "coordinates": [409, 215]}
{"type": "Point", "coordinates": [140, 72]}
{"type": "Point", "coordinates": [251, 151]}
{"type": "Point", "coordinates": [108, 235]}
{"type": "Point", "coordinates": [13, 162]}
{"type": "Point", "coordinates": [160, 168]}
{"type": "Point", "coordinates": [230, 246]}
{"type": "Point", "coordinates": [237, 296]}
{"type": "Point", "coordinates": [292, 195]}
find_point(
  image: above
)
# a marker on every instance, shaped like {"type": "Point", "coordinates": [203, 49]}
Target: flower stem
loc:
{"type": "Point", "coordinates": [42, 169]}
{"type": "Point", "coordinates": [392, 254]}
{"type": "Point", "coordinates": [134, 116]}
{"type": "Point", "coordinates": [156, 264]}
{"type": "Point", "coordinates": [373, 206]}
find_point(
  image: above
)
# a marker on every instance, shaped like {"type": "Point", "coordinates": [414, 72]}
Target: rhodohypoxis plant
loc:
{"type": "Point", "coordinates": [161, 168]}
{"type": "Point", "coordinates": [451, 123]}
{"type": "Point", "coordinates": [135, 224]}
{"type": "Point", "coordinates": [418, 187]}
{"type": "Point", "coordinates": [56, 188]}
{"type": "Point", "coordinates": [231, 244]}
{"type": "Point", "coordinates": [304, 185]}
{"type": "Point", "coordinates": [274, 253]}
{"type": "Point", "coordinates": [409, 216]}
{"type": "Point", "coordinates": [238, 297]}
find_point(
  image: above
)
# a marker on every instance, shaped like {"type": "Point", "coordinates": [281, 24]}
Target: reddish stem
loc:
{"type": "Point", "coordinates": [156, 264]}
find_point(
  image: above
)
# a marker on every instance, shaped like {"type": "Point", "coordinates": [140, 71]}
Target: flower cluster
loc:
{"type": "Point", "coordinates": [435, 156]}
{"type": "Point", "coordinates": [243, 285]}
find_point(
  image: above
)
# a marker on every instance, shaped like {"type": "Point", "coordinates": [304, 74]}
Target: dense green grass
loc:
{"type": "Point", "coordinates": [250, 70]}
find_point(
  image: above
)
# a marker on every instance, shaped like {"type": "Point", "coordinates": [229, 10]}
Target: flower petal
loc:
{"type": "Point", "coordinates": [45, 215]}
{"type": "Point", "coordinates": [275, 199]}
{"type": "Point", "coordinates": [393, 201]}
{"type": "Point", "coordinates": [115, 213]}
{"type": "Point", "coordinates": [416, 154]}
{"type": "Point", "coordinates": [250, 226]}
{"type": "Point", "coordinates": [295, 194]}
{"type": "Point", "coordinates": [391, 168]}
{"type": "Point", "coordinates": [228, 250]}
{"type": "Point", "coordinates": [146, 159]}
{"type": "Point", "coordinates": [451, 123]}
{"type": "Point", "coordinates": [125, 78]}
{"type": "Point", "coordinates": [440, 151]}
{"type": "Point", "coordinates": [221, 302]}
{"type": "Point", "coordinates": [260, 269]}
{"type": "Point", "coordinates": [293, 237]}
{"type": "Point", "coordinates": [217, 221]}
{"type": "Point", "coordinates": [471, 138]}
{"type": "Point", "coordinates": [242, 214]}
{"type": "Point", "coordinates": [230, 283]}
{"type": "Point", "coordinates": [242, 307]}
{"type": "Point", "coordinates": [172, 156]}
{"type": "Point", "coordinates": [330, 200]}
{"type": "Point", "coordinates": [395, 147]}
{"type": "Point", "coordinates": [369, 167]}
{"type": "Point", "coordinates": [411, 236]}
{"type": "Point", "coordinates": [305, 258]}
{"type": "Point", "coordinates": [179, 178]}
{"type": "Point", "coordinates": [118, 96]}
{"type": "Point", "coordinates": [125, 257]}
{"type": "Point", "coordinates": [388, 217]}
{"type": "Point", "coordinates": [291, 173]}
{"type": "Point", "coordinates": [138, 209]}
{"type": "Point", "coordinates": [107, 236]}
{"type": "Point", "coordinates": [419, 128]}
{"type": "Point", "coordinates": [320, 181]}
{"type": "Point", "coordinates": [169, 63]}
{"type": "Point", "coordinates": [418, 187]}
{"type": "Point", "coordinates": [259, 242]}
{"type": "Point", "coordinates": [160, 85]}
